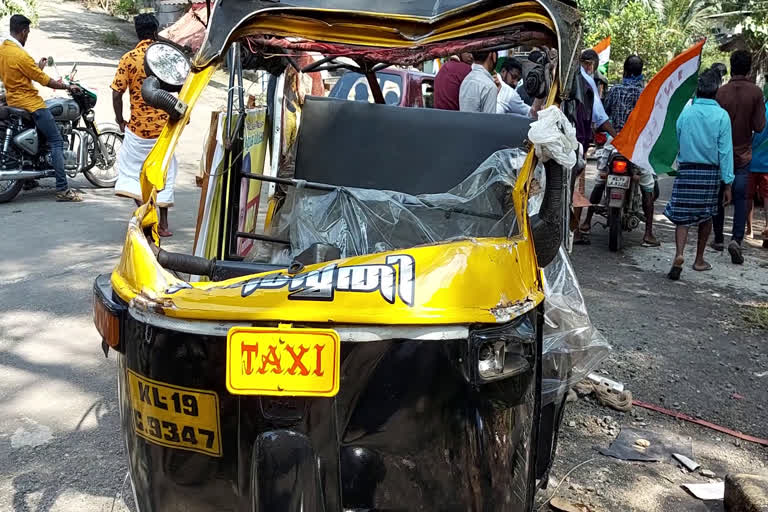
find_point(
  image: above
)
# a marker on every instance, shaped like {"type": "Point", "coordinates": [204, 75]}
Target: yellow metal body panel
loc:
{"type": "Point", "coordinates": [157, 162]}
{"type": "Point", "coordinates": [470, 281]}
{"type": "Point", "coordinates": [398, 34]}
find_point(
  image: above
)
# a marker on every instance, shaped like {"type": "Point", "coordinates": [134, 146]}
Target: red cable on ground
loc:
{"type": "Point", "coordinates": [704, 423]}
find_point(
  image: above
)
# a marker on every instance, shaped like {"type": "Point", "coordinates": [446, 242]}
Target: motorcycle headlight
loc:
{"type": "Point", "coordinates": [168, 64]}
{"type": "Point", "coordinates": [90, 116]}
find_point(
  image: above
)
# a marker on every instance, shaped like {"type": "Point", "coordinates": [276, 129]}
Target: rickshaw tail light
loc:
{"type": "Point", "coordinates": [106, 323]}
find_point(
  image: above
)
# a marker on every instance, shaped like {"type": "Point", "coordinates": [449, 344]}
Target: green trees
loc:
{"type": "Point", "coordinates": [751, 18]}
{"type": "Point", "coordinates": [654, 29]}
{"type": "Point", "coordinates": [26, 7]}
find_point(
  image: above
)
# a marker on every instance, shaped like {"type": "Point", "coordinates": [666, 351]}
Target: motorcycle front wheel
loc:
{"type": "Point", "coordinates": [615, 234]}
{"type": "Point", "coordinates": [10, 189]}
{"type": "Point", "coordinates": [99, 172]}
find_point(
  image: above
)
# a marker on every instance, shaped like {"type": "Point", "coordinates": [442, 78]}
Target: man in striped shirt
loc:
{"type": "Point", "coordinates": [620, 102]}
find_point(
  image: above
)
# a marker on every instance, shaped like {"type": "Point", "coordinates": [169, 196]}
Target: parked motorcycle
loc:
{"type": "Point", "coordinates": [89, 149]}
{"type": "Point", "coordinates": [622, 201]}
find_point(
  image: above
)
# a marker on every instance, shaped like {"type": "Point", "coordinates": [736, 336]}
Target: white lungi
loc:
{"type": "Point", "coordinates": [130, 160]}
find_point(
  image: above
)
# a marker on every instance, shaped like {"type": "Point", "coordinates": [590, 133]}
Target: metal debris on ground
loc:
{"type": "Point", "coordinates": [707, 473]}
{"type": "Point", "coordinates": [689, 464]}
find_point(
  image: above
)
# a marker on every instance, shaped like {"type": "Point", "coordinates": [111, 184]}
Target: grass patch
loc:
{"type": "Point", "coordinates": [756, 315]}
{"type": "Point", "coordinates": [111, 39]}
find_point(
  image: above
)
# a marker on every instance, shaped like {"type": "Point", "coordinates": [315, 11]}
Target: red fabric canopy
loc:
{"type": "Point", "coordinates": [189, 30]}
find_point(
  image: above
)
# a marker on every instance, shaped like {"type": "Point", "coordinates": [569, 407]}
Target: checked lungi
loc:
{"type": "Point", "coordinates": [694, 194]}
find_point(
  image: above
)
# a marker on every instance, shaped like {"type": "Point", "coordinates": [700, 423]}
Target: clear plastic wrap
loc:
{"type": "Point", "coordinates": [365, 221]}
{"type": "Point", "coordinates": [573, 347]}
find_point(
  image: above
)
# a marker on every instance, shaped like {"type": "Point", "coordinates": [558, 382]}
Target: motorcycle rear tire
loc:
{"type": "Point", "coordinates": [8, 194]}
{"type": "Point", "coordinates": [615, 232]}
{"type": "Point", "coordinates": [94, 178]}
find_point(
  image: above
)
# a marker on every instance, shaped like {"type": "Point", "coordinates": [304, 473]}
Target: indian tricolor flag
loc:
{"type": "Point", "coordinates": [603, 49]}
{"type": "Point", "coordinates": [649, 137]}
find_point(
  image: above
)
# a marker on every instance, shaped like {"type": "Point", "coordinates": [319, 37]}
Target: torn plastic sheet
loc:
{"type": "Point", "coordinates": [364, 221]}
{"type": "Point", "coordinates": [573, 347]}
{"type": "Point", "coordinates": [554, 137]}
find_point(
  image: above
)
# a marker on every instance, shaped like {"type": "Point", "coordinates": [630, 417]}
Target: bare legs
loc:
{"type": "Point", "coordinates": [162, 228]}
{"type": "Point", "coordinates": [705, 228]}
{"type": "Point", "coordinates": [648, 238]}
{"type": "Point", "coordinates": [681, 238]}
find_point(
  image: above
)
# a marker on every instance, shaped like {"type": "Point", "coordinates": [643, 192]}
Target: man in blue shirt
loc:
{"type": "Point", "coordinates": [705, 160]}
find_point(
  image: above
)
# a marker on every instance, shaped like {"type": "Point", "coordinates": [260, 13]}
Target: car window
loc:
{"type": "Point", "coordinates": [428, 93]}
{"type": "Point", "coordinates": [354, 86]}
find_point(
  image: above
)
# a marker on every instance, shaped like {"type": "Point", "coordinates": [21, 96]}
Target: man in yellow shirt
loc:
{"type": "Point", "coordinates": [17, 71]}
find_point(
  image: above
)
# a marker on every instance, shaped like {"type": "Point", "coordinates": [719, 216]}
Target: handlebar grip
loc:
{"type": "Point", "coordinates": [185, 263]}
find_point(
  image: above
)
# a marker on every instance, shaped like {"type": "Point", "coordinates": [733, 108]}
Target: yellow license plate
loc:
{"type": "Point", "coordinates": [175, 416]}
{"type": "Point", "coordinates": [282, 361]}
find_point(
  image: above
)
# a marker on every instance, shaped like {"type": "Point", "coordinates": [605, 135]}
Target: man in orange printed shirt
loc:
{"type": "Point", "coordinates": [17, 71]}
{"type": "Point", "coordinates": [145, 123]}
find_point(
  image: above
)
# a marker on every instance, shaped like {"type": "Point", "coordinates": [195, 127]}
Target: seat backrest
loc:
{"type": "Point", "coordinates": [410, 150]}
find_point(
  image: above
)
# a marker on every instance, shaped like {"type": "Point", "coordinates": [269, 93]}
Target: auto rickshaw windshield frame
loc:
{"type": "Point", "coordinates": [390, 24]}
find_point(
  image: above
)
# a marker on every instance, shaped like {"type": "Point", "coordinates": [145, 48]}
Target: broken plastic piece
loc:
{"type": "Point", "coordinates": [708, 491]}
{"type": "Point", "coordinates": [573, 347]}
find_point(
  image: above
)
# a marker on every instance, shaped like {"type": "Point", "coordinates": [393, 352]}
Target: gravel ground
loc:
{"type": "Point", "coordinates": [684, 346]}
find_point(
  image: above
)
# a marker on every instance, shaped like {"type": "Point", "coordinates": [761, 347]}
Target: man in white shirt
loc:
{"type": "Point", "coordinates": [508, 100]}
{"type": "Point", "coordinates": [478, 91]}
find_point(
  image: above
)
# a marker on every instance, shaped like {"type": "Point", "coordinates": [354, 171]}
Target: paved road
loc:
{"type": "Point", "coordinates": [59, 428]}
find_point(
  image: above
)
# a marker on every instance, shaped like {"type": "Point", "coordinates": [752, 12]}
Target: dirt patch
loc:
{"type": "Point", "coordinates": [695, 346]}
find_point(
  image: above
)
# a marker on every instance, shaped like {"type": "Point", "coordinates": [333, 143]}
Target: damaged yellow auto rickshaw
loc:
{"type": "Point", "coordinates": [374, 340]}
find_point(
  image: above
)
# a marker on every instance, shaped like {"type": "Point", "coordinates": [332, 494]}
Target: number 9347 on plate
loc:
{"type": "Point", "coordinates": [175, 416]}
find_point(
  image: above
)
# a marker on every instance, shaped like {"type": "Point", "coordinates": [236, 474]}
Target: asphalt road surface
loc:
{"type": "Point", "coordinates": [60, 447]}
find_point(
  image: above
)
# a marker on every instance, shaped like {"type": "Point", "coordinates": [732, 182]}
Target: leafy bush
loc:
{"type": "Point", "coordinates": [26, 7]}
{"type": "Point", "coordinates": [111, 38]}
{"type": "Point", "coordinates": [125, 7]}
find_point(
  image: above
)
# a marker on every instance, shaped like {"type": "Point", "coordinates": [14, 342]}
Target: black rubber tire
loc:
{"type": "Point", "coordinates": [8, 194]}
{"type": "Point", "coordinates": [615, 235]}
{"type": "Point", "coordinates": [93, 178]}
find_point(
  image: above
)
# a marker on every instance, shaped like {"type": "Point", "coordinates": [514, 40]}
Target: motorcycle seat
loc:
{"type": "Point", "coordinates": [9, 112]}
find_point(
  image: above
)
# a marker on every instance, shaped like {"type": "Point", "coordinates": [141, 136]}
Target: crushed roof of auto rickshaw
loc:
{"type": "Point", "coordinates": [412, 30]}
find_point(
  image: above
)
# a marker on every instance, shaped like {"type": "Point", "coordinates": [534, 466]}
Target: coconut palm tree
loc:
{"type": "Point", "coordinates": [685, 20]}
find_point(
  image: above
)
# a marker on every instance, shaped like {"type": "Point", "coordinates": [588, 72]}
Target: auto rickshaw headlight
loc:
{"type": "Point", "coordinates": [501, 352]}
{"type": "Point", "coordinates": [168, 64]}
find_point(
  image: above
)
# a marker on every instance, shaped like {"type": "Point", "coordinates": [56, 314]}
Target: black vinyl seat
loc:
{"type": "Point", "coordinates": [9, 112]}
{"type": "Point", "coordinates": [410, 150]}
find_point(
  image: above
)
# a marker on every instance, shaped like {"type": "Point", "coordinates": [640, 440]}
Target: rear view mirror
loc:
{"type": "Point", "coordinates": [168, 64]}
